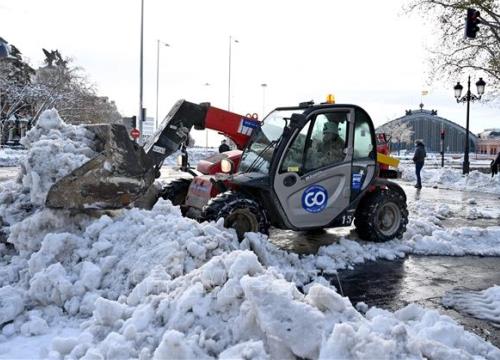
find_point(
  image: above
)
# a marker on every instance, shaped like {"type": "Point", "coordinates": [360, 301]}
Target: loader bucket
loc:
{"type": "Point", "coordinates": [120, 173]}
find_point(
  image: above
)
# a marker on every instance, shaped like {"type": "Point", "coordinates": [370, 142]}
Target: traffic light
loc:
{"type": "Point", "coordinates": [472, 23]}
{"type": "Point", "coordinates": [442, 134]}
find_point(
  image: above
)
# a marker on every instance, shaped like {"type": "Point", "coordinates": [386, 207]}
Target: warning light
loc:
{"type": "Point", "coordinates": [330, 99]}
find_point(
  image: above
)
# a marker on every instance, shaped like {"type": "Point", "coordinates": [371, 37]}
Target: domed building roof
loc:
{"type": "Point", "coordinates": [490, 134]}
{"type": "Point", "coordinates": [427, 125]}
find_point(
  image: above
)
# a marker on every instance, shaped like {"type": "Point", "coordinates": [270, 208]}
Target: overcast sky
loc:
{"type": "Point", "coordinates": [364, 52]}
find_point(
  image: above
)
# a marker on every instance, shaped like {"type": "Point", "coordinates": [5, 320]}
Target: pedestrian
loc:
{"type": "Point", "coordinates": [494, 165]}
{"type": "Point", "coordinates": [224, 146]}
{"type": "Point", "coordinates": [418, 159]}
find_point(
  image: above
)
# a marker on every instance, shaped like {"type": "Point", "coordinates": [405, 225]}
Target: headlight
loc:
{"type": "Point", "coordinates": [226, 166]}
{"type": "Point", "coordinates": [179, 160]}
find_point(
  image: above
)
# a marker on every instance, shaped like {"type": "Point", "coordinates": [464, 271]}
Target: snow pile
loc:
{"type": "Point", "coordinates": [54, 150]}
{"type": "Point", "coordinates": [155, 284]}
{"type": "Point", "coordinates": [483, 304]}
{"type": "Point", "coordinates": [11, 157]}
{"type": "Point", "coordinates": [448, 178]}
{"type": "Point", "coordinates": [233, 307]}
{"type": "Point", "coordinates": [69, 262]}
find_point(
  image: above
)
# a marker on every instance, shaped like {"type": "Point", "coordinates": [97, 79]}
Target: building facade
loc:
{"type": "Point", "coordinates": [488, 143]}
{"type": "Point", "coordinates": [427, 125]}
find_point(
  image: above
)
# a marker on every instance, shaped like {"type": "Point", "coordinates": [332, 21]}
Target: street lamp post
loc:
{"type": "Point", "coordinates": [467, 98]}
{"type": "Point", "coordinates": [229, 76]}
{"type": "Point", "coordinates": [158, 42]}
{"type": "Point", "coordinates": [206, 130]}
{"type": "Point", "coordinates": [140, 118]}
{"type": "Point", "coordinates": [264, 85]}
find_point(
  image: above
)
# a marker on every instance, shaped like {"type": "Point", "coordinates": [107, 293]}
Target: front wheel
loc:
{"type": "Point", "coordinates": [176, 191]}
{"type": "Point", "coordinates": [381, 216]}
{"type": "Point", "coordinates": [241, 213]}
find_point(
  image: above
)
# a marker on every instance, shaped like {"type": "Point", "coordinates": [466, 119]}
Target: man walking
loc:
{"type": "Point", "coordinates": [418, 159]}
{"type": "Point", "coordinates": [494, 165]}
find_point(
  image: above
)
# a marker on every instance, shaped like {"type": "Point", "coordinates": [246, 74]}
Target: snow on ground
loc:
{"type": "Point", "coordinates": [141, 284]}
{"type": "Point", "coordinates": [483, 304]}
{"type": "Point", "coordinates": [195, 154]}
{"type": "Point", "coordinates": [448, 178]}
{"type": "Point", "coordinates": [11, 157]}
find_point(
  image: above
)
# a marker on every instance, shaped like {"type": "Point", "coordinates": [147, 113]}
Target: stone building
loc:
{"type": "Point", "coordinates": [427, 125]}
{"type": "Point", "coordinates": [488, 142]}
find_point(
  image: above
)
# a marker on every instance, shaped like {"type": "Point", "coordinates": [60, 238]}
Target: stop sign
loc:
{"type": "Point", "coordinates": [135, 133]}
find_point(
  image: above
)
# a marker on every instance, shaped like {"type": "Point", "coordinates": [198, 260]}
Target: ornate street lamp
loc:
{"type": "Point", "coordinates": [467, 98]}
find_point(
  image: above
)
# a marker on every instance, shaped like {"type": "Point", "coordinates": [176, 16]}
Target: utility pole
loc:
{"type": "Point", "coordinates": [141, 107]}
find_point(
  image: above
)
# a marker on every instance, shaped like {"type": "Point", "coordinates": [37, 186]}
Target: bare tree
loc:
{"type": "Point", "coordinates": [398, 132]}
{"type": "Point", "coordinates": [454, 54]}
{"type": "Point", "coordinates": [58, 85]}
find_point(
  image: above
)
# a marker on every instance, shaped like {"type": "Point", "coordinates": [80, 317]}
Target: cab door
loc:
{"type": "Point", "coordinates": [313, 178]}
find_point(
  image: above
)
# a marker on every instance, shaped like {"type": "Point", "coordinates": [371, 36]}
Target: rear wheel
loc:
{"type": "Point", "coordinates": [381, 216]}
{"type": "Point", "coordinates": [241, 213]}
{"type": "Point", "coordinates": [176, 191]}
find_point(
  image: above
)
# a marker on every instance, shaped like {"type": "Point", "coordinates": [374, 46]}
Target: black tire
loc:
{"type": "Point", "coordinates": [176, 191]}
{"type": "Point", "coordinates": [381, 216]}
{"type": "Point", "coordinates": [240, 212]}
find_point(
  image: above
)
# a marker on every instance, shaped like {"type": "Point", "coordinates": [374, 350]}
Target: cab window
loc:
{"type": "Point", "coordinates": [327, 142]}
{"type": "Point", "coordinates": [321, 142]}
{"type": "Point", "coordinates": [363, 140]}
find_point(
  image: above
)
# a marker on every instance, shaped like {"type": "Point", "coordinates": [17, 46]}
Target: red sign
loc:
{"type": "Point", "coordinates": [135, 133]}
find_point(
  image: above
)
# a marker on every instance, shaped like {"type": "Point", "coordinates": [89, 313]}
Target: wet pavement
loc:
{"type": "Point", "coordinates": [423, 280]}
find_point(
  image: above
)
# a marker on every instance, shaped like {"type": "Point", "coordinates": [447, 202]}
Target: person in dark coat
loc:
{"type": "Point", "coordinates": [418, 159]}
{"type": "Point", "coordinates": [224, 146]}
{"type": "Point", "coordinates": [494, 165]}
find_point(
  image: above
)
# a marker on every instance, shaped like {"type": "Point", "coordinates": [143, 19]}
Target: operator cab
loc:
{"type": "Point", "coordinates": [317, 158]}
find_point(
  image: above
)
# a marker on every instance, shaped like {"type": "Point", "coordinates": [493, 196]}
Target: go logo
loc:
{"type": "Point", "coordinates": [314, 199]}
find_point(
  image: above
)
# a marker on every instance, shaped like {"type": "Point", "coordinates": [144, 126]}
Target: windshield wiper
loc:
{"type": "Point", "coordinates": [259, 157]}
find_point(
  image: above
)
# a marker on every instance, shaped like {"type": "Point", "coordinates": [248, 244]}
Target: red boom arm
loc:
{"type": "Point", "coordinates": [236, 127]}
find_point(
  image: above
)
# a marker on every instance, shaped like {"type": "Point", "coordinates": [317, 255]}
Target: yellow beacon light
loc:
{"type": "Point", "coordinates": [330, 99]}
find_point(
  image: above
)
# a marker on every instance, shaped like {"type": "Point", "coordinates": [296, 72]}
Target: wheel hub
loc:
{"type": "Point", "coordinates": [242, 220]}
{"type": "Point", "coordinates": [389, 217]}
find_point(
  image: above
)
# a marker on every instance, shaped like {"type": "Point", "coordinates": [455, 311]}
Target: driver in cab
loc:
{"type": "Point", "coordinates": [331, 149]}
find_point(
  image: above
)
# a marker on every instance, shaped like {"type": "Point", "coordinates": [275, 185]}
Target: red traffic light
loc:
{"type": "Point", "coordinates": [472, 23]}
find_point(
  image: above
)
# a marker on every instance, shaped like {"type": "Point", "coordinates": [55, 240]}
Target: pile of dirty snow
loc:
{"type": "Point", "coordinates": [152, 284]}
{"type": "Point", "coordinates": [54, 149]}
{"type": "Point", "coordinates": [449, 178]}
{"type": "Point", "coordinates": [11, 157]}
{"type": "Point", "coordinates": [233, 307]}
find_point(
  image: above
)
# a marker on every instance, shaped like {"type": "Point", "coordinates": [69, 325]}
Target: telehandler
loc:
{"type": "Point", "coordinates": [305, 167]}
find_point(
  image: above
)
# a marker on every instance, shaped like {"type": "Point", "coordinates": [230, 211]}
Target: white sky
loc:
{"type": "Point", "coordinates": [365, 52]}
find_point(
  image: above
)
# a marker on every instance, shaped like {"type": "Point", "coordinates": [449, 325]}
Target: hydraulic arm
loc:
{"type": "Point", "coordinates": [123, 171]}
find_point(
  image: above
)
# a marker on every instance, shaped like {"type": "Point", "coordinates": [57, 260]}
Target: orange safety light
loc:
{"type": "Point", "coordinates": [330, 99]}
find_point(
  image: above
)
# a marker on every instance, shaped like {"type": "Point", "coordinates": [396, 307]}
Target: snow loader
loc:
{"type": "Point", "coordinates": [286, 172]}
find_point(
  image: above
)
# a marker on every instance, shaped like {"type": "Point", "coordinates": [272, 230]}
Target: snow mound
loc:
{"type": "Point", "coordinates": [483, 304]}
{"type": "Point", "coordinates": [11, 157]}
{"type": "Point", "coordinates": [54, 150]}
{"type": "Point", "coordinates": [449, 178]}
{"type": "Point", "coordinates": [233, 307]}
